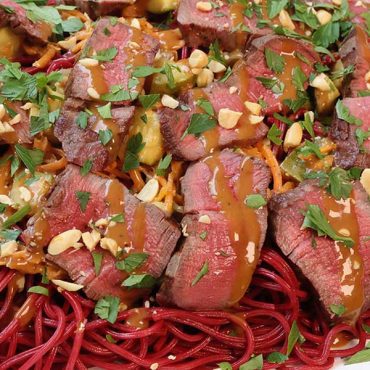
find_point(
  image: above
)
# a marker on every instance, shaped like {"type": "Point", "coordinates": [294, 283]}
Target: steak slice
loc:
{"type": "Point", "coordinates": [223, 236]}
{"type": "Point", "coordinates": [98, 8]}
{"type": "Point", "coordinates": [296, 54]}
{"type": "Point", "coordinates": [14, 15]}
{"type": "Point", "coordinates": [225, 23]}
{"type": "Point", "coordinates": [339, 274]}
{"type": "Point", "coordinates": [174, 123]}
{"type": "Point", "coordinates": [81, 144]}
{"type": "Point", "coordinates": [348, 151]}
{"type": "Point", "coordinates": [355, 50]}
{"type": "Point", "coordinates": [123, 46]}
{"type": "Point", "coordinates": [144, 230]}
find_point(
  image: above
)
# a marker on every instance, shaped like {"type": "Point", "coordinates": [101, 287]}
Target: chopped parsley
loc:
{"type": "Point", "coordinates": [83, 198]}
{"type": "Point", "coordinates": [106, 55]}
{"type": "Point", "coordinates": [199, 123]}
{"type": "Point", "coordinates": [163, 165]}
{"type": "Point", "coordinates": [316, 220]}
{"type": "Point", "coordinates": [337, 309]}
{"type": "Point", "coordinates": [274, 61]}
{"type": "Point", "coordinates": [344, 113]}
{"type": "Point", "coordinates": [132, 262]}
{"type": "Point", "coordinates": [39, 290]}
{"type": "Point", "coordinates": [140, 281]}
{"type": "Point", "coordinates": [86, 167]}
{"type": "Point", "coordinates": [107, 308]}
{"type": "Point", "coordinates": [30, 157]}
{"type": "Point", "coordinates": [105, 111]}
{"type": "Point", "coordinates": [147, 101]}
{"type": "Point", "coordinates": [203, 271]}
{"type": "Point", "coordinates": [274, 134]}
{"type": "Point", "coordinates": [134, 146]}
{"type": "Point", "coordinates": [97, 258]}
{"type": "Point", "coordinates": [255, 201]}
{"type": "Point", "coordinates": [105, 136]}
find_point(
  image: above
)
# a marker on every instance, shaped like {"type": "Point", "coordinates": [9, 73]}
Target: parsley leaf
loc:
{"type": "Point", "coordinates": [132, 262]}
{"type": "Point", "coordinates": [255, 363]}
{"type": "Point", "coordinates": [38, 290]}
{"type": "Point", "coordinates": [134, 146]}
{"type": "Point", "coordinates": [72, 24]}
{"type": "Point", "coordinates": [203, 271]}
{"type": "Point", "coordinates": [199, 123]}
{"type": "Point", "coordinates": [144, 71]}
{"type": "Point", "coordinates": [86, 167]}
{"type": "Point", "coordinates": [107, 308]}
{"type": "Point", "coordinates": [298, 78]}
{"type": "Point", "coordinates": [274, 61]}
{"type": "Point", "coordinates": [274, 84]}
{"type": "Point", "coordinates": [344, 113]}
{"type": "Point", "coordinates": [105, 136]}
{"type": "Point", "coordinates": [327, 34]}
{"type": "Point", "coordinates": [361, 356]}
{"type": "Point", "coordinates": [118, 93]}
{"type": "Point", "coordinates": [83, 198]}
{"type": "Point", "coordinates": [310, 148]}
{"type": "Point", "coordinates": [163, 165]}
{"type": "Point", "coordinates": [224, 366]}
{"type": "Point", "coordinates": [206, 106]}
{"type": "Point", "coordinates": [255, 201]}
{"type": "Point", "coordinates": [147, 101]}
{"type": "Point", "coordinates": [30, 157]}
{"type": "Point", "coordinates": [293, 337]}
{"type": "Point", "coordinates": [97, 258]}
{"type": "Point", "coordinates": [105, 111]}
{"type": "Point", "coordinates": [337, 309]}
{"type": "Point", "coordinates": [143, 281]}
{"type": "Point", "coordinates": [9, 234]}
{"type": "Point", "coordinates": [81, 120]}
{"type": "Point", "coordinates": [316, 220]}
{"type": "Point", "coordinates": [274, 135]}
{"type": "Point", "coordinates": [106, 55]}
{"type": "Point", "coordinates": [339, 183]}
{"type": "Point", "coordinates": [274, 7]}
{"type": "Point", "coordinates": [276, 358]}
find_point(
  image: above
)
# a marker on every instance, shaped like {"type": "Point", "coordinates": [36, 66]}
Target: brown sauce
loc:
{"type": "Point", "coordinates": [342, 217]}
{"type": "Point", "coordinates": [237, 19]}
{"type": "Point", "coordinates": [363, 43]}
{"type": "Point", "coordinates": [244, 229]}
{"type": "Point", "coordinates": [119, 231]}
{"type": "Point", "coordinates": [138, 318]}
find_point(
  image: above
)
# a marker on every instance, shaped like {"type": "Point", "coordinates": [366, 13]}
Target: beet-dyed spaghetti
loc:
{"type": "Point", "coordinates": [62, 330]}
{"type": "Point", "coordinates": [184, 184]}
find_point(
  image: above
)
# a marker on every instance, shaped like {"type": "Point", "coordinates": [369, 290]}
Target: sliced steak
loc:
{"type": "Point", "coordinates": [98, 8]}
{"type": "Point", "coordinates": [254, 66]}
{"type": "Point", "coordinates": [339, 274]}
{"type": "Point", "coordinates": [174, 123]}
{"type": "Point", "coordinates": [145, 229]}
{"type": "Point", "coordinates": [348, 152]}
{"type": "Point", "coordinates": [355, 50]}
{"type": "Point", "coordinates": [223, 236]}
{"type": "Point", "coordinates": [226, 23]}
{"type": "Point", "coordinates": [14, 15]}
{"type": "Point", "coordinates": [123, 46]}
{"type": "Point", "coordinates": [81, 144]}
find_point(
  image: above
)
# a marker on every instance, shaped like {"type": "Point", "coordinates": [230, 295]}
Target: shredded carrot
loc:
{"type": "Point", "coordinates": [4, 177]}
{"type": "Point", "coordinates": [33, 49]}
{"type": "Point", "coordinates": [73, 13]}
{"type": "Point", "coordinates": [47, 57]}
{"type": "Point", "coordinates": [137, 179]}
{"type": "Point", "coordinates": [252, 152]}
{"type": "Point", "coordinates": [162, 193]}
{"type": "Point", "coordinates": [56, 164]}
{"type": "Point", "coordinates": [273, 164]}
{"type": "Point", "coordinates": [170, 194]}
{"type": "Point", "coordinates": [42, 144]}
{"type": "Point", "coordinates": [79, 46]}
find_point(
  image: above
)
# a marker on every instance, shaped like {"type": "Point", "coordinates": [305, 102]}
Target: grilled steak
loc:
{"type": "Point", "coordinates": [355, 51]}
{"type": "Point", "coordinates": [120, 49]}
{"type": "Point", "coordinates": [298, 57]}
{"type": "Point", "coordinates": [225, 23]}
{"type": "Point", "coordinates": [144, 229]}
{"type": "Point", "coordinates": [82, 143]}
{"type": "Point", "coordinates": [340, 274]}
{"type": "Point", "coordinates": [98, 8]}
{"type": "Point", "coordinates": [174, 123]}
{"type": "Point", "coordinates": [14, 16]}
{"type": "Point", "coordinates": [223, 235]}
{"type": "Point", "coordinates": [348, 152]}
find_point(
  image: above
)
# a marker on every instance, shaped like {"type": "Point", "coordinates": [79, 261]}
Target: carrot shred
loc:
{"type": "Point", "coordinates": [137, 179]}
{"type": "Point", "coordinates": [273, 164]}
{"type": "Point", "coordinates": [47, 57]}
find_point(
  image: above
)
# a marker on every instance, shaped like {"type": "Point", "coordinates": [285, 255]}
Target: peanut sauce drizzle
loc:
{"type": "Point", "coordinates": [138, 318]}
{"type": "Point", "coordinates": [363, 43]}
{"type": "Point", "coordinates": [134, 57]}
{"type": "Point", "coordinates": [237, 19]}
{"type": "Point", "coordinates": [100, 123]}
{"type": "Point", "coordinates": [342, 216]}
{"type": "Point", "coordinates": [244, 228]}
